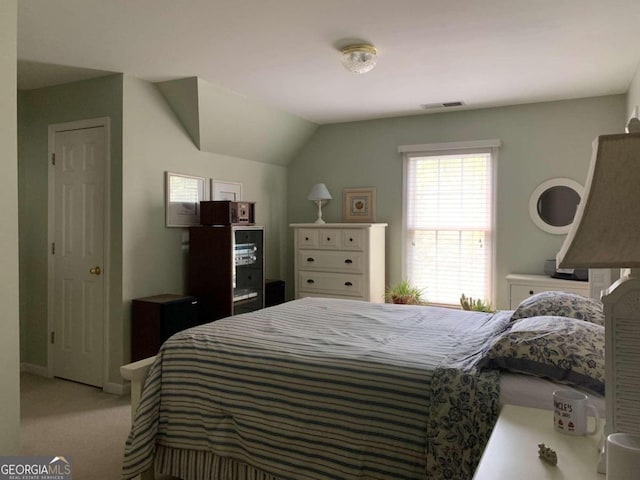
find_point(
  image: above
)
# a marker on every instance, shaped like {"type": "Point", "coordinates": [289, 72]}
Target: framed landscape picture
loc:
{"type": "Point", "coordinates": [359, 205]}
{"type": "Point", "coordinates": [183, 194]}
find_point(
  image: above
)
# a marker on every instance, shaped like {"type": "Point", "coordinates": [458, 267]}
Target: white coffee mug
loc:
{"type": "Point", "coordinates": [570, 413]}
{"type": "Point", "coordinates": [623, 456]}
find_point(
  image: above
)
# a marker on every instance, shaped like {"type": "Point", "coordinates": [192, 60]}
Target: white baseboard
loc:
{"type": "Point", "coordinates": [109, 387]}
{"type": "Point", "coordinates": [34, 369]}
{"type": "Point", "coordinates": [117, 388]}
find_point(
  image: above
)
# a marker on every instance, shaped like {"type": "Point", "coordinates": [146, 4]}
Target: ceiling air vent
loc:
{"type": "Point", "coordinates": [430, 106]}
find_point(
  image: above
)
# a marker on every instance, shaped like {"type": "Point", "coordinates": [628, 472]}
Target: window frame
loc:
{"type": "Point", "coordinates": [452, 148]}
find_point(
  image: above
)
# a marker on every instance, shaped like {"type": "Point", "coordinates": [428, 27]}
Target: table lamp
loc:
{"type": "Point", "coordinates": [606, 234]}
{"type": "Point", "coordinates": [318, 194]}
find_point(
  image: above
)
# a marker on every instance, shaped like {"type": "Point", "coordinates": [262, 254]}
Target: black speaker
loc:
{"type": "Point", "coordinates": [273, 292]}
{"type": "Point", "coordinates": [156, 318]}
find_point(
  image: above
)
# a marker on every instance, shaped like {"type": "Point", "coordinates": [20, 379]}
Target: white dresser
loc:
{"type": "Point", "coordinates": [341, 260]}
{"type": "Point", "coordinates": [522, 286]}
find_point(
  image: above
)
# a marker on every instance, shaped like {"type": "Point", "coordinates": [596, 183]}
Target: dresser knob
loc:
{"type": "Point", "coordinates": [530, 292]}
{"type": "Point", "coordinates": [348, 260]}
{"type": "Point", "coordinates": [310, 281]}
{"type": "Point", "coordinates": [306, 238]}
{"type": "Point", "coordinates": [348, 284]}
{"type": "Point", "coordinates": [351, 239]}
{"type": "Point", "coordinates": [310, 259]}
{"type": "Point", "coordinates": [328, 239]}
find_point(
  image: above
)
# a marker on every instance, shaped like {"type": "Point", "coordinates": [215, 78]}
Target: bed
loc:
{"type": "Point", "coordinates": [325, 389]}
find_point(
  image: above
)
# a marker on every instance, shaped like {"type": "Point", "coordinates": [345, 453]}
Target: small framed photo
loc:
{"type": "Point", "coordinates": [359, 205]}
{"type": "Point", "coordinates": [183, 194]}
{"type": "Point", "coordinates": [221, 190]}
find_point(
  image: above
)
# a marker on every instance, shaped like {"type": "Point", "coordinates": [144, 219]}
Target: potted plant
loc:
{"type": "Point", "coordinates": [404, 292]}
{"type": "Point", "coordinates": [476, 305]}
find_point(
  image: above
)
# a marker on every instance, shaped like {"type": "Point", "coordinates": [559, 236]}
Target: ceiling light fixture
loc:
{"type": "Point", "coordinates": [359, 58]}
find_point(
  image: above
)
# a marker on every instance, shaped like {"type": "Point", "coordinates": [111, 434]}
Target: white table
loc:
{"type": "Point", "coordinates": [512, 451]}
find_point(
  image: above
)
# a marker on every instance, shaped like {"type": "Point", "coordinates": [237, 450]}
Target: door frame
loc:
{"type": "Point", "coordinates": [53, 129]}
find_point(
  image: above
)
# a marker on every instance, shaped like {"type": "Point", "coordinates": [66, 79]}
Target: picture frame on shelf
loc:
{"type": "Point", "coordinates": [183, 194]}
{"type": "Point", "coordinates": [221, 190]}
{"type": "Point", "coordinates": [359, 205]}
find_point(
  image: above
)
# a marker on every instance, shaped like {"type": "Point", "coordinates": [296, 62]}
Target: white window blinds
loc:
{"type": "Point", "coordinates": [449, 218]}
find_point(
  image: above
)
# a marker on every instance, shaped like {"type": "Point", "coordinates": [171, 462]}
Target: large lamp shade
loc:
{"type": "Point", "coordinates": [606, 234]}
{"type": "Point", "coordinates": [606, 229]}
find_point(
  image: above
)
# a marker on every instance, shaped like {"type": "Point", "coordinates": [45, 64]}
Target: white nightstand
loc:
{"type": "Point", "coordinates": [522, 286]}
{"type": "Point", "coordinates": [512, 451]}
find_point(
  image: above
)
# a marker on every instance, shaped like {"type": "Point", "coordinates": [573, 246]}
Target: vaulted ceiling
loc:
{"type": "Point", "coordinates": [285, 53]}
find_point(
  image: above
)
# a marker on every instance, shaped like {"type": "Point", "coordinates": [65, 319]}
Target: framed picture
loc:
{"type": "Point", "coordinates": [221, 190]}
{"type": "Point", "coordinates": [183, 194]}
{"type": "Point", "coordinates": [359, 205]}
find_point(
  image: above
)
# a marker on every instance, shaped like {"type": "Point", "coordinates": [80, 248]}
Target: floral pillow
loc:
{"type": "Point", "coordinates": [561, 304]}
{"type": "Point", "coordinates": [562, 349]}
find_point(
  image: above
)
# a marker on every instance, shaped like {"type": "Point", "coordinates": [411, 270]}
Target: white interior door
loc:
{"type": "Point", "coordinates": [78, 300]}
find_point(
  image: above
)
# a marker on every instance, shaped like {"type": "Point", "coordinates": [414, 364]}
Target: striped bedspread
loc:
{"type": "Point", "coordinates": [319, 389]}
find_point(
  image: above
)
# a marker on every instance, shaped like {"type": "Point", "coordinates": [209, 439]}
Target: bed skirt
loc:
{"type": "Point", "coordinates": [465, 408]}
{"type": "Point", "coordinates": [197, 464]}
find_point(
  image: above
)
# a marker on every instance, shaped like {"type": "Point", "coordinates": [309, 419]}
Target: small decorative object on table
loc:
{"type": "Point", "coordinates": [547, 454]}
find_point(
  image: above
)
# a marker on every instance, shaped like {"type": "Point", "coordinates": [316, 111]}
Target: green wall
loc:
{"type": "Point", "coordinates": [9, 340]}
{"type": "Point", "coordinates": [101, 97]}
{"type": "Point", "coordinates": [147, 258]}
{"type": "Point", "coordinates": [540, 141]}
{"type": "Point", "coordinates": [154, 141]}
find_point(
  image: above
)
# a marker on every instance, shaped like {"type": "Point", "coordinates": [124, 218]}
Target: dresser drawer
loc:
{"type": "Point", "coordinates": [330, 283]}
{"type": "Point", "coordinates": [331, 261]}
{"type": "Point", "coordinates": [352, 239]}
{"type": "Point", "coordinates": [319, 238]}
{"type": "Point", "coordinates": [331, 239]}
{"type": "Point", "coordinates": [307, 238]}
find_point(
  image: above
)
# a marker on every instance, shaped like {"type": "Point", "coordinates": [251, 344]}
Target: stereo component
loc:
{"type": "Point", "coordinates": [226, 212]}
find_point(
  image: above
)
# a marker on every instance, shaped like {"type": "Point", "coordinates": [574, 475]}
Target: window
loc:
{"type": "Point", "coordinates": [449, 220]}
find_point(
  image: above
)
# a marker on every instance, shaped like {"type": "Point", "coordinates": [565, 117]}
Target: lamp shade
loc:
{"type": "Point", "coordinates": [319, 192]}
{"type": "Point", "coordinates": [606, 234]}
{"type": "Point", "coordinates": [606, 229]}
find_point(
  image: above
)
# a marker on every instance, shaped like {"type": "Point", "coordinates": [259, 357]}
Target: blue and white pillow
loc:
{"type": "Point", "coordinates": [566, 350]}
{"type": "Point", "coordinates": [561, 304]}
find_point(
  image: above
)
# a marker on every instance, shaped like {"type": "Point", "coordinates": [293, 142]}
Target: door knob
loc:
{"type": "Point", "coordinates": [95, 270]}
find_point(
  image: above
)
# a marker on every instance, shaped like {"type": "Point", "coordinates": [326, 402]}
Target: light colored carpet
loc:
{"type": "Point", "coordinates": [63, 418]}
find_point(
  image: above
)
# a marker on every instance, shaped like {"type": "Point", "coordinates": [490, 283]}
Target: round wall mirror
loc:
{"type": "Point", "coordinates": [553, 204]}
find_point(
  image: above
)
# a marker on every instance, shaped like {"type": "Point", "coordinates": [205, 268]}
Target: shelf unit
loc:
{"type": "Point", "coordinates": [226, 269]}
